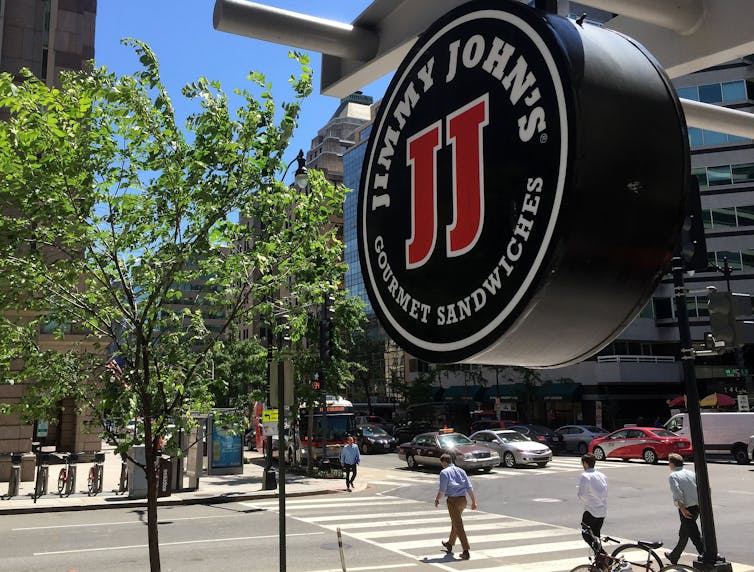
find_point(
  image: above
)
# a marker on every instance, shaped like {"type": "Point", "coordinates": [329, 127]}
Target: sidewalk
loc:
{"type": "Point", "coordinates": [212, 489]}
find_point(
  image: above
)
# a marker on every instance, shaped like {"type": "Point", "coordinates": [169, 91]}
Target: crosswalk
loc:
{"type": "Point", "coordinates": [557, 465]}
{"type": "Point", "coordinates": [414, 529]}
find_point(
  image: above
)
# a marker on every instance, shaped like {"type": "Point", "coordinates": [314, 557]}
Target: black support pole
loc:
{"type": "Point", "coordinates": [282, 449]}
{"type": "Point", "coordinates": [711, 561]}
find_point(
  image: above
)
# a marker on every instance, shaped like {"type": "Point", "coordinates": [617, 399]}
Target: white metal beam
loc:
{"type": "Point", "coordinates": [718, 118]}
{"type": "Point", "coordinates": [294, 29]}
{"type": "Point", "coordinates": [684, 35]}
{"type": "Point", "coordinates": [725, 32]}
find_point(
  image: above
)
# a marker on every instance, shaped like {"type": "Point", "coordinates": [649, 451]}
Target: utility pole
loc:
{"type": "Point", "coordinates": [324, 359]}
{"type": "Point", "coordinates": [282, 450]}
{"type": "Point", "coordinates": [711, 561]}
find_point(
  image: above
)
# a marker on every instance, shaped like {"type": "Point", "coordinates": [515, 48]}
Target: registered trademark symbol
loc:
{"type": "Point", "coordinates": [543, 138]}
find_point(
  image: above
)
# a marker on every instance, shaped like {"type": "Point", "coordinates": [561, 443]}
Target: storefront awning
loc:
{"type": "Point", "coordinates": [559, 391]}
{"type": "Point", "coordinates": [470, 392]}
{"type": "Point", "coordinates": [507, 391]}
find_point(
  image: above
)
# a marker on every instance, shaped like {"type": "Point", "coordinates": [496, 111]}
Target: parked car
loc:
{"type": "Point", "coordinates": [374, 439]}
{"type": "Point", "coordinates": [411, 429]}
{"type": "Point", "coordinates": [482, 424]}
{"type": "Point", "coordinates": [648, 443]}
{"type": "Point", "coordinates": [543, 434]}
{"type": "Point", "coordinates": [426, 449]}
{"type": "Point", "coordinates": [751, 448]}
{"type": "Point", "coordinates": [375, 420]}
{"type": "Point", "coordinates": [513, 447]}
{"type": "Point", "coordinates": [578, 437]}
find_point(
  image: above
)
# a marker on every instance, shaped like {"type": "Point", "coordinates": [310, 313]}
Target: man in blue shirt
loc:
{"type": "Point", "coordinates": [349, 458]}
{"type": "Point", "coordinates": [455, 484]}
{"type": "Point", "coordinates": [683, 488]}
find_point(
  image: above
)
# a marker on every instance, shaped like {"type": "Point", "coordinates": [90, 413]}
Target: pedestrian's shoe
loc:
{"type": "Point", "coordinates": [464, 555]}
{"type": "Point", "coordinates": [348, 489]}
{"type": "Point", "coordinates": [669, 556]}
{"type": "Point", "coordinates": [448, 547]}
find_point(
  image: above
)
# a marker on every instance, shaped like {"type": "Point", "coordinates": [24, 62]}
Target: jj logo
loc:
{"type": "Point", "coordinates": [463, 132]}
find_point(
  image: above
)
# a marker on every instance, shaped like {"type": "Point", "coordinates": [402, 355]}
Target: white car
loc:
{"type": "Point", "coordinates": [751, 447]}
{"type": "Point", "coordinates": [514, 449]}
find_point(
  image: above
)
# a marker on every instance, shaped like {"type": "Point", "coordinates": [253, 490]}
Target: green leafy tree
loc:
{"type": "Point", "coordinates": [108, 206]}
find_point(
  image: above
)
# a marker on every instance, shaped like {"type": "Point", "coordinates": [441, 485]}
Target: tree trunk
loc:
{"type": "Point", "coordinates": [152, 529]}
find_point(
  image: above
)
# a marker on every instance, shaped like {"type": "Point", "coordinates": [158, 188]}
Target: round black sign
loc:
{"type": "Point", "coordinates": [464, 179]}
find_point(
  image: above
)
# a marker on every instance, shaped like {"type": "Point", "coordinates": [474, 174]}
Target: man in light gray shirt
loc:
{"type": "Point", "coordinates": [593, 493]}
{"type": "Point", "coordinates": [683, 488]}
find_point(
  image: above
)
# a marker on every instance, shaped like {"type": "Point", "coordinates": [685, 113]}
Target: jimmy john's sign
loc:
{"type": "Point", "coordinates": [522, 188]}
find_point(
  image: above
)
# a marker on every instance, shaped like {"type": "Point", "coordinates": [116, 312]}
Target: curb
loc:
{"type": "Point", "coordinates": [125, 503]}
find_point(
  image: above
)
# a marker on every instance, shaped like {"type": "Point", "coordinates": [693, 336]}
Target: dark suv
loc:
{"type": "Point", "coordinates": [375, 420]}
{"type": "Point", "coordinates": [407, 431]}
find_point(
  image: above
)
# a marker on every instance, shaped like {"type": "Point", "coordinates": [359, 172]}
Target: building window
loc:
{"type": "Point", "coordinates": [663, 308]}
{"type": "Point", "coordinates": [743, 173]}
{"type": "Point", "coordinates": [733, 256]}
{"type": "Point", "coordinates": [724, 218]}
{"type": "Point", "coordinates": [747, 260]}
{"type": "Point", "coordinates": [734, 90]}
{"type": "Point", "coordinates": [719, 175]}
{"type": "Point", "coordinates": [711, 93]}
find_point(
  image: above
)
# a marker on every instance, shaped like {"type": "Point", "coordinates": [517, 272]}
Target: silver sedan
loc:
{"type": "Point", "coordinates": [514, 449]}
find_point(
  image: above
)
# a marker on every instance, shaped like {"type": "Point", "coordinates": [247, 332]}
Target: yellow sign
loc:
{"type": "Point", "coordinates": [269, 415]}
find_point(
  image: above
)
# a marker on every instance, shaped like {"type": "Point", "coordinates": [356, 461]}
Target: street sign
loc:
{"type": "Point", "coordinates": [269, 415]}
{"type": "Point", "coordinates": [743, 402]}
{"type": "Point", "coordinates": [735, 372]}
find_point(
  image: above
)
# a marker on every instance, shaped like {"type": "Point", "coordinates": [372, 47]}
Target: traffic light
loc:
{"type": "Point", "coordinates": [693, 245]}
{"type": "Point", "coordinates": [722, 318]}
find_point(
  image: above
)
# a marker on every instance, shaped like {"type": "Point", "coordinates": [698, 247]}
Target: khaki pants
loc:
{"type": "Point", "coordinates": [456, 505]}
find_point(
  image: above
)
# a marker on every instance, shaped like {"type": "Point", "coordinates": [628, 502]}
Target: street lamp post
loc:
{"type": "Point", "coordinates": [711, 561]}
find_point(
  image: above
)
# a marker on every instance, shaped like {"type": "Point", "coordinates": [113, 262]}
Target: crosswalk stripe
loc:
{"type": "Point", "coordinates": [437, 529]}
{"type": "Point", "coordinates": [563, 565]}
{"type": "Point", "coordinates": [369, 517]}
{"type": "Point", "coordinates": [441, 518]}
{"type": "Point", "coordinates": [331, 504]}
{"type": "Point", "coordinates": [503, 537]}
{"type": "Point", "coordinates": [325, 499]}
{"type": "Point", "coordinates": [512, 551]}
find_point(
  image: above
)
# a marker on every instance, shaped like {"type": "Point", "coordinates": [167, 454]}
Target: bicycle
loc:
{"type": "Point", "coordinates": [67, 475]}
{"type": "Point", "coordinates": [94, 482]}
{"type": "Point", "coordinates": [40, 482]}
{"type": "Point", "coordinates": [628, 557]}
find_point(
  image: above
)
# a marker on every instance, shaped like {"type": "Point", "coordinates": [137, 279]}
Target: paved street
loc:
{"type": "Point", "coordinates": [527, 522]}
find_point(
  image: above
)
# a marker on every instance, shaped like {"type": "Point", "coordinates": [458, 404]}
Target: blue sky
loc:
{"type": "Point", "coordinates": [188, 47]}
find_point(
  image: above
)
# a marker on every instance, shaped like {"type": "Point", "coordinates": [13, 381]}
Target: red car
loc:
{"type": "Point", "coordinates": [648, 443]}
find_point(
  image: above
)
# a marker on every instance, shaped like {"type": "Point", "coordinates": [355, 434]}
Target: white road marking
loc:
{"type": "Point", "coordinates": [204, 541]}
{"type": "Point", "coordinates": [443, 518]}
{"type": "Point", "coordinates": [164, 521]}
{"type": "Point", "coordinates": [437, 529]}
{"type": "Point", "coordinates": [381, 567]}
{"type": "Point", "coordinates": [503, 537]}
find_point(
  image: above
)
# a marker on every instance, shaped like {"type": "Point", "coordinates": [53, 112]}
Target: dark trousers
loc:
{"type": "Point", "coordinates": [594, 523]}
{"type": "Point", "coordinates": [349, 470]}
{"type": "Point", "coordinates": [688, 531]}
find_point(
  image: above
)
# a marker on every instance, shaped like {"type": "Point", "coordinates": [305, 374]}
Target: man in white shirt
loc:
{"type": "Point", "coordinates": [593, 493]}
